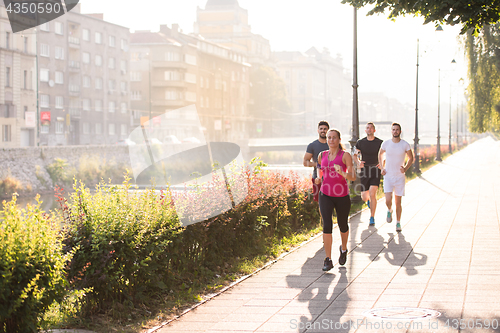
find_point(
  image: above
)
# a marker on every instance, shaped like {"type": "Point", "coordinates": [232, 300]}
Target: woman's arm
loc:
{"type": "Point", "coordinates": [350, 174]}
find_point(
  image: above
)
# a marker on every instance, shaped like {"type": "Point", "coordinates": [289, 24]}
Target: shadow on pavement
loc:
{"type": "Point", "coordinates": [400, 253]}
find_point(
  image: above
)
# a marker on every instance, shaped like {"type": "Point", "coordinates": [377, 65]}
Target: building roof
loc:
{"type": "Point", "coordinates": [148, 37]}
{"type": "Point", "coordinates": [221, 3]}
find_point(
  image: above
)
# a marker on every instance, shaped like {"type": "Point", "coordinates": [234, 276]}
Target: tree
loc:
{"type": "Point", "coordinates": [269, 101]}
{"type": "Point", "coordinates": [483, 52]}
{"type": "Point", "coordinates": [470, 14]}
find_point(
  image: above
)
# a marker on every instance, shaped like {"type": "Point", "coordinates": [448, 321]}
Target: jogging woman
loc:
{"type": "Point", "coordinates": [336, 167]}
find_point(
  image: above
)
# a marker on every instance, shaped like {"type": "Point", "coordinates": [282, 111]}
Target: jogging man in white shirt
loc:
{"type": "Point", "coordinates": [394, 169]}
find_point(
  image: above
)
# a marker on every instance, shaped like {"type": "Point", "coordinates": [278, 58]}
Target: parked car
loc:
{"type": "Point", "coordinates": [171, 140]}
{"type": "Point", "coordinates": [152, 141]}
{"type": "Point", "coordinates": [125, 142]}
{"type": "Point", "coordinates": [191, 140]}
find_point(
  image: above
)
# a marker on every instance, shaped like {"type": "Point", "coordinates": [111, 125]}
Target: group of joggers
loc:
{"type": "Point", "coordinates": [333, 166]}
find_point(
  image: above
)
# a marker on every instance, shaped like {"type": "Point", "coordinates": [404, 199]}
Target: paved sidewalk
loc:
{"type": "Point", "coordinates": [446, 259]}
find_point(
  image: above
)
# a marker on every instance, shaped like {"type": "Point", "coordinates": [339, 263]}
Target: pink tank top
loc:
{"type": "Point", "coordinates": [333, 185]}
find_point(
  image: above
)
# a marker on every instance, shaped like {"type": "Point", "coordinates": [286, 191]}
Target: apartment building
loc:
{"type": "Point", "coordinates": [318, 88]}
{"type": "Point", "coordinates": [226, 23]}
{"type": "Point", "coordinates": [17, 85]}
{"type": "Point", "coordinates": [170, 70]}
{"type": "Point", "coordinates": [83, 76]}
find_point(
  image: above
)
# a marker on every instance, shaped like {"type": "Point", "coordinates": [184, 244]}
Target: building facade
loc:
{"type": "Point", "coordinates": [17, 85]}
{"type": "Point", "coordinates": [83, 80]}
{"type": "Point", "coordinates": [318, 88]}
{"type": "Point", "coordinates": [171, 70]}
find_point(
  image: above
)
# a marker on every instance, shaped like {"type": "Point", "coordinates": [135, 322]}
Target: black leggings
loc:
{"type": "Point", "coordinates": [342, 206]}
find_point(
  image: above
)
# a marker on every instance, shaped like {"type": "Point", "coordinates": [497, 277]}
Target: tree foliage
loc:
{"type": "Point", "coordinates": [470, 14]}
{"type": "Point", "coordinates": [483, 52]}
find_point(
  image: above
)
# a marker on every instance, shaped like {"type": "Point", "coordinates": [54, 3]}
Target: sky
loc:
{"type": "Point", "coordinates": [387, 50]}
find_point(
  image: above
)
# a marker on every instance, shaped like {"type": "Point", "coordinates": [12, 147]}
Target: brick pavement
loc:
{"type": "Point", "coordinates": [446, 259]}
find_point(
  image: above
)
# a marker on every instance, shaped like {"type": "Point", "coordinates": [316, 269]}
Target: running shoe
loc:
{"type": "Point", "coordinates": [328, 264]}
{"type": "Point", "coordinates": [343, 256]}
{"type": "Point", "coordinates": [372, 220]}
{"type": "Point", "coordinates": [389, 216]}
{"type": "Point", "coordinates": [398, 227]}
{"type": "Point", "coordinates": [368, 203]}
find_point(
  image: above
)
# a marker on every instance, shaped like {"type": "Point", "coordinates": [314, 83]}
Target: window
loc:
{"type": "Point", "coordinates": [172, 56]}
{"type": "Point", "coordinates": [59, 28]}
{"type": "Point", "coordinates": [59, 102]}
{"type": "Point", "coordinates": [111, 63]}
{"type": "Point", "coordinates": [86, 58]}
{"type": "Point", "coordinates": [44, 50]}
{"type": "Point", "coordinates": [190, 77]}
{"type": "Point", "coordinates": [123, 129]}
{"type": "Point", "coordinates": [86, 104]}
{"type": "Point", "coordinates": [207, 83]}
{"type": "Point", "coordinates": [172, 76]}
{"type": "Point", "coordinates": [44, 75]}
{"type": "Point", "coordinates": [86, 81]}
{"type": "Point", "coordinates": [86, 128]}
{"type": "Point", "coordinates": [7, 76]}
{"type": "Point", "coordinates": [59, 127]}
{"type": "Point", "coordinates": [59, 53]}
{"type": "Point", "coordinates": [98, 128]}
{"type": "Point", "coordinates": [7, 40]}
{"type": "Point", "coordinates": [25, 80]}
{"type": "Point", "coordinates": [98, 60]}
{"type": "Point", "coordinates": [190, 59]}
{"type": "Point", "coordinates": [44, 129]}
{"type": "Point", "coordinates": [111, 85]}
{"type": "Point", "coordinates": [136, 96]}
{"type": "Point", "coordinates": [25, 44]}
{"type": "Point", "coordinates": [45, 26]}
{"type": "Point", "coordinates": [59, 77]}
{"type": "Point", "coordinates": [111, 129]}
{"type": "Point", "coordinates": [123, 107]}
{"type": "Point", "coordinates": [201, 82]}
{"type": "Point", "coordinates": [207, 102]}
{"type": "Point", "coordinates": [6, 133]}
{"type": "Point", "coordinates": [135, 76]}
{"type": "Point", "coordinates": [98, 83]}
{"type": "Point", "coordinates": [44, 101]}
{"type": "Point", "coordinates": [86, 35]}
{"type": "Point", "coordinates": [123, 66]}
{"type": "Point", "coordinates": [98, 105]}
{"type": "Point", "coordinates": [123, 86]}
{"type": "Point", "coordinates": [123, 44]}
{"type": "Point", "coordinates": [201, 101]}
{"type": "Point", "coordinates": [171, 95]}
{"type": "Point", "coordinates": [98, 38]}
{"type": "Point", "coordinates": [111, 106]}
{"type": "Point", "coordinates": [111, 41]}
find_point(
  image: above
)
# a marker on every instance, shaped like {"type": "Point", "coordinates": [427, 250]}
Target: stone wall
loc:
{"type": "Point", "coordinates": [28, 165]}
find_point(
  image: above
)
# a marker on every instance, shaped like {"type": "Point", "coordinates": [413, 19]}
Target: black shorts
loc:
{"type": "Point", "coordinates": [369, 176]}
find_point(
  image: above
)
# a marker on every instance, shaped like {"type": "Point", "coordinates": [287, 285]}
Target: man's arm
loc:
{"type": "Point", "coordinates": [307, 160]}
{"type": "Point", "coordinates": [381, 153]}
{"type": "Point", "coordinates": [409, 163]}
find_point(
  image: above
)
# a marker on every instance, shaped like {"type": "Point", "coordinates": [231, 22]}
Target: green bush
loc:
{"type": "Point", "coordinates": [31, 266]}
{"type": "Point", "coordinates": [9, 185]}
{"type": "Point", "coordinates": [121, 242]}
{"type": "Point", "coordinates": [58, 171]}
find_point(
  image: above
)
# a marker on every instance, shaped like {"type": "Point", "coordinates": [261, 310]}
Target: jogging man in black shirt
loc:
{"type": "Point", "coordinates": [370, 174]}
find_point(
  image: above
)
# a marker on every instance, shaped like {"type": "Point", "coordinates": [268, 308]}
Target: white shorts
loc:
{"type": "Point", "coordinates": [395, 184]}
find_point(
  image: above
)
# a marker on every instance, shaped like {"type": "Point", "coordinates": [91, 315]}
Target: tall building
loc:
{"type": "Point", "coordinates": [170, 70]}
{"type": "Point", "coordinates": [17, 85]}
{"type": "Point", "coordinates": [318, 88]}
{"type": "Point", "coordinates": [225, 22]}
{"type": "Point", "coordinates": [84, 81]}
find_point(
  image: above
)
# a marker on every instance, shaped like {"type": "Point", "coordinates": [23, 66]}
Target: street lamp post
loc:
{"type": "Point", "coordinates": [438, 148]}
{"type": "Point", "coordinates": [355, 113]}
{"type": "Point", "coordinates": [449, 127]}
{"type": "Point", "coordinates": [416, 165]}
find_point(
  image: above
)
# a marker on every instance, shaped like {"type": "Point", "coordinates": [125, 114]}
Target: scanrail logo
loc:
{"type": "Point", "coordinates": [27, 14]}
{"type": "Point", "coordinates": [204, 178]}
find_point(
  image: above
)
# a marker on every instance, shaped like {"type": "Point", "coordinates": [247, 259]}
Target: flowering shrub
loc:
{"type": "Point", "coordinates": [128, 245]}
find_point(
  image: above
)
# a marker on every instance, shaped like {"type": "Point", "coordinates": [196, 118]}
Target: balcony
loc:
{"type": "Point", "coordinates": [168, 64]}
{"type": "Point", "coordinates": [74, 90]}
{"type": "Point", "coordinates": [74, 66]}
{"type": "Point", "coordinates": [75, 113]}
{"type": "Point", "coordinates": [170, 83]}
{"type": "Point", "coordinates": [169, 103]}
{"type": "Point", "coordinates": [74, 42]}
